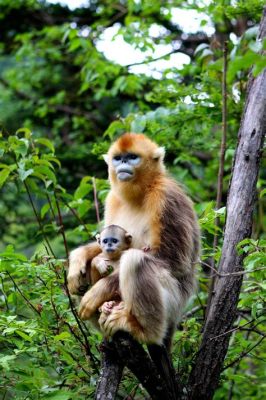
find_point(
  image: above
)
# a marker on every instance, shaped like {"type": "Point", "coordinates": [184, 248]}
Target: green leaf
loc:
{"type": "Point", "coordinates": [62, 336]}
{"type": "Point", "coordinates": [4, 174]}
{"type": "Point", "coordinates": [58, 395]}
{"type": "Point", "coordinates": [82, 191]}
{"type": "Point", "coordinates": [24, 335]}
{"type": "Point", "coordinates": [4, 361]}
{"type": "Point", "coordinates": [45, 173]}
{"type": "Point", "coordinates": [262, 193]}
{"type": "Point", "coordinates": [47, 143]}
{"type": "Point", "coordinates": [24, 174]}
{"type": "Point", "coordinates": [44, 210]}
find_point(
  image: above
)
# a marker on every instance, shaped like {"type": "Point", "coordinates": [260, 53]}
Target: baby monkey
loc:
{"type": "Point", "coordinates": [113, 240]}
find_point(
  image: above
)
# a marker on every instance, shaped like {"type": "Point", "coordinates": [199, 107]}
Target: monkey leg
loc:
{"type": "Point", "coordinates": [104, 290]}
{"type": "Point", "coordinates": [78, 273]}
{"type": "Point", "coordinates": [144, 312]}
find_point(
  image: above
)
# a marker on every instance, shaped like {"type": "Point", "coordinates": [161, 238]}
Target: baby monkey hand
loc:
{"type": "Point", "coordinates": [101, 266]}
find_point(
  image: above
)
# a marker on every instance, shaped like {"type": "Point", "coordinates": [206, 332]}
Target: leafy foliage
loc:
{"type": "Point", "coordinates": [63, 102]}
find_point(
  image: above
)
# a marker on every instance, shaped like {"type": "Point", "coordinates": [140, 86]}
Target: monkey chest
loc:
{"type": "Point", "coordinates": [134, 222]}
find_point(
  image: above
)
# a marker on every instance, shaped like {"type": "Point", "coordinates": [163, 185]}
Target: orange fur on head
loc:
{"type": "Point", "coordinates": [134, 143]}
{"type": "Point", "coordinates": [149, 170]}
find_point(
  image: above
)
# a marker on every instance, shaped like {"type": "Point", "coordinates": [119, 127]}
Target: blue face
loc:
{"type": "Point", "coordinates": [125, 164]}
{"type": "Point", "coordinates": [110, 244]}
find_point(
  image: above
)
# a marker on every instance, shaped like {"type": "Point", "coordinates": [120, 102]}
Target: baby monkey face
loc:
{"type": "Point", "coordinates": [113, 240]}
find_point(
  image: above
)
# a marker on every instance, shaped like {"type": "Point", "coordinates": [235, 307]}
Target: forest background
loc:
{"type": "Point", "coordinates": [61, 104]}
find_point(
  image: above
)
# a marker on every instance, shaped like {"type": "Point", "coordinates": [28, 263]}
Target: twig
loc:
{"type": "Point", "coordinates": [191, 312]}
{"type": "Point", "coordinates": [223, 141]}
{"type": "Point", "coordinates": [22, 294]}
{"type": "Point", "coordinates": [221, 275]}
{"type": "Point", "coordinates": [232, 330]}
{"type": "Point", "coordinates": [61, 319]}
{"type": "Point", "coordinates": [95, 199]}
{"type": "Point", "coordinates": [76, 215]}
{"type": "Point", "coordinates": [38, 220]}
{"type": "Point", "coordinates": [221, 170]}
{"type": "Point", "coordinates": [50, 204]}
{"type": "Point", "coordinates": [74, 312]}
{"type": "Point", "coordinates": [147, 61]}
{"type": "Point", "coordinates": [87, 345]}
{"type": "Point", "coordinates": [58, 107]}
{"type": "Point", "coordinates": [62, 228]}
{"type": "Point", "coordinates": [4, 293]}
{"type": "Point", "coordinates": [244, 353]}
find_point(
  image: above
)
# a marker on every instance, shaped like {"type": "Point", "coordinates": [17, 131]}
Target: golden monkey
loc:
{"type": "Point", "coordinates": [113, 240]}
{"type": "Point", "coordinates": [154, 286]}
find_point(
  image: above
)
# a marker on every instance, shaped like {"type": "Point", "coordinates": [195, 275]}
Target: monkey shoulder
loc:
{"type": "Point", "coordinates": [179, 244]}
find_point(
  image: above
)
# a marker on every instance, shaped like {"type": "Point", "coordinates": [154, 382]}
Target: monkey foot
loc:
{"type": "Point", "coordinates": [146, 249]}
{"type": "Point", "coordinates": [107, 307]}
{"type": "Point", "coordinates": [115, 320]}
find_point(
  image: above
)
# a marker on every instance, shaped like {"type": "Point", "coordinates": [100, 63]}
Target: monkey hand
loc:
{"type": "Point", "coordinates": [114, 317]}
{"type": "Point", "coordinates": [102, 266]}
{"type": "Point", "coordinates": [77, 276]}
{"type": "Point", "coordinates": [87, 307]}
{"type": "Point", "coordinates": [79, 273]}
{"type": "Point", "coordinates": [146, 249]}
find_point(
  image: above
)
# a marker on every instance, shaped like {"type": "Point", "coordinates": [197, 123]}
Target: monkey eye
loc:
{"type": "Point", "coordinates": [115, 241]}
{"type": "Point", "coordinates": [132, 156]}
{"type": "Point", "coordinates": [117, 158]}
{"type": "Point", "coordinates": [105, 241]}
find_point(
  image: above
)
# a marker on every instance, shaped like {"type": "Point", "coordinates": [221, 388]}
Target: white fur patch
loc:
{"type": "Point", "coordinates": [106, 158]}
{"type": "Point", "coordinates": [159, 153]}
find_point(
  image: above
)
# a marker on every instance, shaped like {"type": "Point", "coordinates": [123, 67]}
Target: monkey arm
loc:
{"type": "Point", "coordinates": [99, 268]}
{"type": "Point", "coordinates": [104, 290]}
{"type": "Point", "coordinates": [78, 273]}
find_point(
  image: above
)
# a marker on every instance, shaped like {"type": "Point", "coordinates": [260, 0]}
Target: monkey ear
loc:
{"type": "Point", "coordinates": [98, 238]}
{"type": "Point", "coordinates": [106, 158]}
{"type": "Point", "coordinates": [128, 238]}
{"type": "Point", "coordinates": [159, 154]}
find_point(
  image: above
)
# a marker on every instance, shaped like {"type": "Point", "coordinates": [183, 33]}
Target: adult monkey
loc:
{"type": "Point", "coordinates": [154, 286]}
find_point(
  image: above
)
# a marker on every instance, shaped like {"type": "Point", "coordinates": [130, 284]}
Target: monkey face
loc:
{"type": "Point", "coordinates": [125, 165]}
{"type": "Point", "coordinates": [133, 158]}
{"type": "Point", "coordinates": [113, 240]}
{"type": "Point", "coordinates": [111, 246]}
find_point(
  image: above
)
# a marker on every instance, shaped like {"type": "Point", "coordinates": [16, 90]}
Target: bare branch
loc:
{"type": "Point", "coordinates": [96, 204]}
{"type": "Point", "coordinates": [244, 353]}
{"type": "Point", "coordinates": [239, 273]}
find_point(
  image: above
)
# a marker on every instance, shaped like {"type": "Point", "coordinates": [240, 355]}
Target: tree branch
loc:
{"type": "Point", "coordinates": [121, 351]}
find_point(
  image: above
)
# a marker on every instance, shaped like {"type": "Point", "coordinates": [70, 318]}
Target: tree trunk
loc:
{"type": "Point", "coordinates": [206, 370]}
{"type": "Point", "coordinates": [110, 374]}
{"type": "Point", "coordinates": [122, 351]}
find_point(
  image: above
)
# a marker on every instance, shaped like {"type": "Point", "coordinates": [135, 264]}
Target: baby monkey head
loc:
{"type": "Point", "coordinates": [113, 240]}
